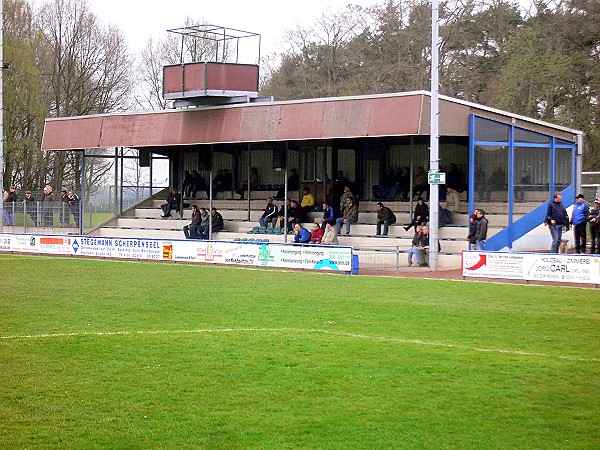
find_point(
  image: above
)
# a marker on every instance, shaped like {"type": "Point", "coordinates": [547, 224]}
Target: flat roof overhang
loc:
{"type": "Point", "coordinates": [386, 115]}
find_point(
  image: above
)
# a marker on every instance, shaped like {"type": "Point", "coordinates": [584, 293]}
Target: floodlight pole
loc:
{"type": "Point", "coordinates": [434, 139]}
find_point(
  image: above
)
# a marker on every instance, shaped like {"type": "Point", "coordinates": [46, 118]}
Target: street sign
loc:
{"type": "Point", "coordinates": [436, 178]}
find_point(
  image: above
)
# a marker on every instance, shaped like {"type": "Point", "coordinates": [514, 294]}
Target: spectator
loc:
{"type": "Point", "coordinates": [556, 219]}
{"type": "Point", "coordinates": [524, 183]}
{"type": "Point", "coordinates": [497, 181]}
{"type": "Point", "coordinates": [64, 208]}
{"type": "Point", "coordinates": [387, 185]}
{"type": "Point", "coordinates": [579, 219]}
{"type": "Point", "coordinates": [347, 193]}
{"type": "Point", "coordinates": [444, 216]}
{"type": "Point", "coordinates": [299, 212]}
{"type": "Point", "coordinates": [420, 214]}
{"type": "Point", "coordinates": [301, 234]}
{"type": "Point", "coordinates": [293, 183]}
{"type": "Point", "coordinates": [254, 181]}
{"type": "Point", "coordinates": [292, 215]}
{"type": "Point", "coordinates": [414, 246]}
{"type": "Point", "coordinates": [349, 215]}
{"type": "Point", "coordinates": [385, 216]}
{"type": "Point", "coordinates": [219, 181]}
{"type": "Point", "coordinates": [9, 205]}
{"type": "Point", "coordinates": [420, 185]}
{"type": "Point", "coordinates": [454, 178]}
{"type": "Point", "coordinates": [191, 231]}
{"type": "Point", "coordinates": [48, 207]}
{"type": "Point", "coordinates": [204, 222]}
{"type": "Point", "coordinates": [452, 204]}
{"type": "Point", "coordinates": [280, 221]}
{"type": "Point", "coordinates": [29, 205]}
{"type": "Point", "coordinates": [217, 221]}
{"type": "Point", "coordinates": [480, 183]}
{"type": "Point", "coordinates": [198, 184]}
{"type": "Point", "coordinates": [187, 184]}
{"type": "Point", "coordinates": [471, 234]}
{"type": "Point", "coordinates": [308, 201]}
{"type": "Point", "coordinates": [481, 228]}
{"type": "Point", "coordinates": [329, 235]}
{"type": "Point", "coordinates": [172, 202]}
{"type": "Point", "coordinates": [269, 213]}
{"type": "Point", "coordinates": [424, 246]}
{"type": "Point", "coordinates": [316, 235]}
{"type": "Point", "coordinates": [73, 202]}
{"type": "Point", "coordinates": [594, 219]}
{"type": "Point", "coordinates": [328, 215]}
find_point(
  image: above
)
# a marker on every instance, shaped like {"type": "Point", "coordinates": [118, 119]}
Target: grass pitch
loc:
{"type": "Point", "coordinates": [110, 354]}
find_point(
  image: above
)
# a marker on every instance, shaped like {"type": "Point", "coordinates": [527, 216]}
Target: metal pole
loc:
{"type": "Point", "coordinates": [210, 196]}
{"type": "Point", "coordinates": [248, 180]}
{"type": "Point", "coordinates": [434, 136]}
{"type": "Point", "coordinates": [1, 117]}
{"type": "Point", "coordinates": [81, 193]}
{"type": "Point", "coordinates": [116, 192]}
{"type": "Point", "coordinates": [285, 196]}
{"type": "Point", "coordinates": [121, 185]}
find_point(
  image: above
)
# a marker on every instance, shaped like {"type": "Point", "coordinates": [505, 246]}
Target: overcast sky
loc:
{"type": "Point", "coordinates": [141, 19]}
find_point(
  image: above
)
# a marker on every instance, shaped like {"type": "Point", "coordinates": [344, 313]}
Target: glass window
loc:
{"type": "Point", "coordinates": [563, 168]}
{"type": "Point", "coordinates": [532, 175]}
{"type": "Point", "coordinates": [531, 137]}
{"type": "Point", "coordinates": [490, 131]}
{"type": "Point", "coordinates": [491, 178]}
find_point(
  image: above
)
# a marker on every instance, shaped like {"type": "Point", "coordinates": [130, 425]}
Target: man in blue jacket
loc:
{"type": "Point", "coordinates": [302, 235]}
{"type": "Point", "coordinates": [556, 219]}
{"type": "Point", "coordinates": [328, 215]}
{"type": "Point", "coordinates": [579, 218]}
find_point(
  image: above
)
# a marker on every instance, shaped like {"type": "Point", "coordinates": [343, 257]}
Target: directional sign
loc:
{"type": "Point", "coordinates": [436, 178]}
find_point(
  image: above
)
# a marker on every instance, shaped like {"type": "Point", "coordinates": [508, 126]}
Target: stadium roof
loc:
{"type": "Point", "coordinates": [385, 115]}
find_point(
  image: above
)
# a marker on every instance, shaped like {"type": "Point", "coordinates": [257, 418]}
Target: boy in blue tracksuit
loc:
{"type": "Point", "coordinates": [579, 219]}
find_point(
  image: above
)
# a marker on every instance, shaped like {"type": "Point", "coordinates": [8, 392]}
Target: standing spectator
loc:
{"type": "Point", "coordinates": [349, 215]}
{"type": "Point", "coordinates": [302, 235]}
{"type": "Point", "coordinates": [217, 221]}
{"type": "Point", "coordinates": [9, 206]}
{"type": "Point", "coordinates": [191, 230]}
{"type": "Point", "coordinates": [472, 227]}
{"type": "Point", "coordinates": [481, 228]}
{"type": "Point", "coordinates": [48, 207]}
{"type": "Point", "coordinates": [308, 201]}
{"type": "Point", "coordinates": [347, 193]}
{"type": "Point", "coordinates": [187, 184]}
{"type": "Point", "coordinates": [268, 214]}
{"type": "Point", "coordinates": [385, 216]}
{"type": "Point", "coordinates": [594, 219]}
{"type": "Point", "coordinates": [556, 219]}
{"type": "Point", "coordinates": [420, 214]}
{"type": "Point", "coordinates": [30, 205]}
{"type": "Point", "coordinates": [414, 246]}
{"type": "Point", "coordinates": [5, 215]}
{"type": "Point", "coordinates": [330, 235]}
{"type": "Point", "coordinates": [172, 202]}
{"type": "Point", "coordinates": [328, 215]}
{"type": "Point", "coordinates": [64, 208]}
{"type": "Point", "coordinates": [73, 206]}
{"type": "Point", "coordinates": [316, 234]}
{"type": "Point", "coordinates": [579, 219]}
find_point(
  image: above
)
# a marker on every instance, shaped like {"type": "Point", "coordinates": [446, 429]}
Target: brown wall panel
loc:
{"type": "Point", "coordinates": [395, 116]}
{"type": "Point", "coordinates": [302, 121]}
{"type": "Point", "coordinates": [83, 132]}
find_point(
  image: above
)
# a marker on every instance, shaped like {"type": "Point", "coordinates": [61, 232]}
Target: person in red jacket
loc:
{"type": "Point", "coordinates": [316, 234]}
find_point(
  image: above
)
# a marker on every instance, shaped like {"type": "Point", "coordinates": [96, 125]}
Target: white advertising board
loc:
{"type": "Point", "coordinates": [211, 252]}
{"type": "Point", "coordinates": [565, 268]}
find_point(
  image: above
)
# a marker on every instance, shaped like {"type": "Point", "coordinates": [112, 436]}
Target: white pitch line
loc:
{"type": "Point", "coordinates": [303, 330]}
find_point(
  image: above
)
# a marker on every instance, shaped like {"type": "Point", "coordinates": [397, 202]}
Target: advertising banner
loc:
{"type": "Point", "coordinates": [194, 251]}
{"type": "Point", "coordinates": [565, 268]}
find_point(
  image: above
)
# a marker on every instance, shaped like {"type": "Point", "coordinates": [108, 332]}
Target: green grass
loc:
{"type": "Point", "coordinates": [216, 357]}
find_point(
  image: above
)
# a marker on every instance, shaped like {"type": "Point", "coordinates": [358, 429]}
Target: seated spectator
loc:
{"type": "Point", "coordinates": [280, 221]}
{"type": "Point", "coordinates": [386, 217]}
{"type": "Point", "coordinates": [347, 193]}
{"type": "Point", "coordinates": [328, 214]}
{"type": "Point", "coordinates": [387, 185]}
{"type": "Point", "coordinates": [349, 216]}
{"type": "Point", "coordinates": [254, 181]}
{"type": "Point", "coordinates": [217, 221]}
{"type": "Point", "coordinates": [497, 181]}
{"type": "Point", "coordinates": [293, 183]}
{"type": "Point", "coordinates": [316, 234]}
{"type": "Point", "coordinates": [204, 222]}
{"type": "Point", "coordinates": [444, 216]}
{"type": "Point", "coordinates": [191, 231]}
{"type": "Point", "coordinates": [329, 235]}
{"type": "Point", "coordinates": [269, 213]}
{"type": "Point", "coordinates": [452, 204]}
{"type": "Point", "coordinates": [197, 184]}
{"type": "Point", "coordinates": [414, 247]}
{"type": "Point", "coordinates": [172, 202]}
{"type": "Point", "coordinates": [424, 247]}
{"type": "Point", "coordinates": [299, 213]}
{"type": "Point", "coordinates": [292, 215]}
{"type": "Point", "coordinates": [524, 184]}
{"type": "Point", "coordinates": [420, 214]}
{"type": "Point", "coordinates": [420, 183]}
{"type": "Point", "coordinates": [454, 178]}
{"type": "Point", "coordinates": [308, 201]}
{"type": "Point", "coordinates": [219, 182]}
{"type": "Point", "coordinates": [403, 182]}
{"type": "Point", "coordinates": [301, 234]}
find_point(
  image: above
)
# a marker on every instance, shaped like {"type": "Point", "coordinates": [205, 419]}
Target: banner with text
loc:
{"type": "Point", "coordinates": [212, 252]}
